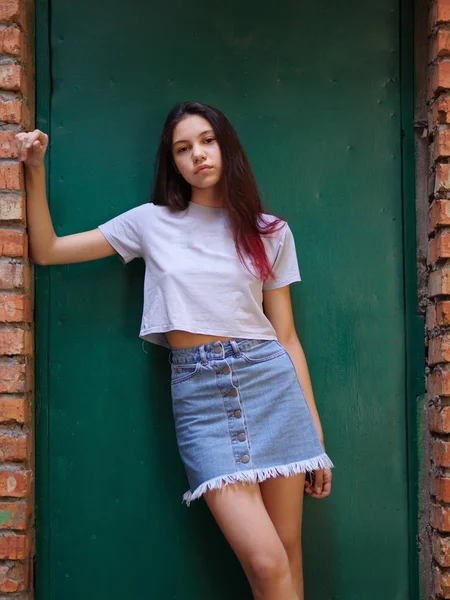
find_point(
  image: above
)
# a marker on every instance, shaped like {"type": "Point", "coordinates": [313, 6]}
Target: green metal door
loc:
{"type": "Point", "coordinates": [315, 92]}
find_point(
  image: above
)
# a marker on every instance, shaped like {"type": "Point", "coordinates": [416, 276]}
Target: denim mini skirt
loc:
{"type": "Point", "coordinates": [240, 415]}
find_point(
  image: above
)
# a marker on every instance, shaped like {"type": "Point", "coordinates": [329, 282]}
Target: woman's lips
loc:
{"type": "Point", "coordinates": [202, 169]}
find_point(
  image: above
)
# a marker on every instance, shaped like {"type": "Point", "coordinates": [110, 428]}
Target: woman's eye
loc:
{"type": "Point", "coordinates": [182, 149]}
{"type": "Point", "coordinates": [209, 140]}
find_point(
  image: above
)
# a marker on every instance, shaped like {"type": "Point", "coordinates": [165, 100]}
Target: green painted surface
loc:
{"type": "Point", "coordinates": [314, 91]}
{"type": "Point", "coordinates": [42, 316]}
{"type": "Point", "coordinates": [414, 323]}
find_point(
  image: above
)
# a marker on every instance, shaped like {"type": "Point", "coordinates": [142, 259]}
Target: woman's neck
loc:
{"type": "Point", "coordinates": [207, 196]}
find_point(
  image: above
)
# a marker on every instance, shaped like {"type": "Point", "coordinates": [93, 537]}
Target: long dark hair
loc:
{"type": "Point", "coordinates": [238, 185]}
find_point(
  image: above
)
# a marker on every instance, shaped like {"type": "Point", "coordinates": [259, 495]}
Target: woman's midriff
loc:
{"type": "Point", "coordinates": [185, 339]}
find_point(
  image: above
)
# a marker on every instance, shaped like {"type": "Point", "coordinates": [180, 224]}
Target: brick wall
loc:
{"type": "Point", "coordinates": [16, 335]}
{"type": "Point", "coordinates": [438, 311]}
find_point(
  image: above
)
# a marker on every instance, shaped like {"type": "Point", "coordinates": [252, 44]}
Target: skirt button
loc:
{"type": "Point", "coordinates": [225, 370]}
{"type": "Point", "coordinates": [234, 392]}
{"type": "Point", "coordinates": [238, 413]}
{"type": "Point", "coordinates": [241, 437]}
{"type": "Point", "coordinates": [245, 458]}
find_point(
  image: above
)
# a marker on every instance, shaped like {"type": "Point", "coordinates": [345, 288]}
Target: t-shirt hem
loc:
{"type": "Point", "coordinates": [220, 333]}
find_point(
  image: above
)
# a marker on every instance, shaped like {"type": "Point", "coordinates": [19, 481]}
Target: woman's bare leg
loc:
{"type": "Point", "coordinates": [240, 513]}
{"type": "Point", "coordinates": [283, 499]}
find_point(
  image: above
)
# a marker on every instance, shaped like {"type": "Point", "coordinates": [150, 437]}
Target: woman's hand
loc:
{"type": "Point", "coordinates": [320, 485]}
{"type": "Point", "coordinates": [31, 147]}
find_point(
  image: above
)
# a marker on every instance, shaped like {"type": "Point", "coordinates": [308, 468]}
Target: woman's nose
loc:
{"type": "Point", "coordinates": [198, 154]}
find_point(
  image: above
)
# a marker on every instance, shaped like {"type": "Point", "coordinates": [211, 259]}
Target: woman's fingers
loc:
{"type": "Point", "coordinates": [327, 477]}
{"type": "Point", "coordinates": [29, 140]}
{"type": "Point", "coordinates": [34, 136]}
{"type": "Point", "coordinates": [321, 484]}
{"type": "Point", "coordinates": [318, 482]}
{"type": "Point", "coordinates": [31, 144]}
{"type": "Point", "coordinates": [21, 139]}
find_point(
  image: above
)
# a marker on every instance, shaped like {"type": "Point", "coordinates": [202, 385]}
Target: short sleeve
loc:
{"type": "Point", "coordinates": [285, 265]}
{"type": "Point", "coordinates": [124, 233]}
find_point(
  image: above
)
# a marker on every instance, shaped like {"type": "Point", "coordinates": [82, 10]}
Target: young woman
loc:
{"type": "Point", "coordinates": [216, 293]}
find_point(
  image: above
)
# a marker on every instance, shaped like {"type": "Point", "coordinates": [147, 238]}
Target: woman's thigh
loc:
{"type": "Point", "coordinates": [283, 500]}
{"type": "Point", "coordinates": [239, 511]}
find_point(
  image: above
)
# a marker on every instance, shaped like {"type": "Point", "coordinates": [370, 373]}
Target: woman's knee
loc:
{"type": "Point", "coordinates": [269, 566]}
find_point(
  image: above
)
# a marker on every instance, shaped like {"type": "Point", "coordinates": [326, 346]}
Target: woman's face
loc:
{"type": "Point", "coordinates": [196, 152]}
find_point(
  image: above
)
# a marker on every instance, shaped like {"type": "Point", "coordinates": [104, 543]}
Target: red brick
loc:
{"type": "Point", "coordinates": [10, 40]}
{"type": "Point", "coordinates": [14, 546]}
{"type": "Point", "coordinates": [13, 409]}
{"type": "Point", "coordinates": [14, 515]}
{"type": "Point", "coordinates": [441, 453]}
{"type": "Point", "coordinates": [26, 277]}
{"type": "Point", "coordinates": [431, 321]}
{"type": "Point", "coordinates": [12, 10]}
{"type": "Point", "coordinates": [442, 183]}
{"type": "Point", "coordinates": [15, 484]}
{"type": "Point", "coordinates": [14, 448]}
{"type": "Point", "coordinates": [443, 313]}
{"type": "Point", "coordinates": [440, 44]}
{"type": "Point", "coordinates": [433, 251]}
{"type": "Point", "coordinates": [439, 13]}
{"type": "Point", "coordinates": [11, 111]}
{"type": "Point", "coordinates": [439, 419]}
{"type": "Point", "coordinates": [16, 342]}
{"type": "Point", "coordinates": [439, 383]}
{"type": "Point", "coordinates": [442, 11]}
{"type": "Point", "coordinates": [439, 247]}
{"type": "Point", "coordinates": [8, 148]}
{"type": "Point", "coordinates": [12, 208]}
{"type": "Point", "coordinates": [15, 308]}
{"type": "Point", "coordinates": [13, 243]}
{"type": "Point", "coordinates": [441, 549]}
{"type": "Point", "coordinates": [442, 143]}
{"type": "Point", "coordinates": [11, 176]}
{"type": "Point", "coordinates": [439, 349]}
{"type": "Point", "coordinates": [439, 113]}
{"type": "Point", "coordinates": [438, 282]}
{"type": "Point", "coordinates": [15, 379]}
{"type": "Point", "coordinates": [440, 517]}
{"type": "Point", "coordinates": [439, 77]}
{"type": "Point", "coordinates": [441, 580]}
{"type": "Point", "coordinates": [13, 577]}
{"type": "Point", "coordinates": [11, 77]}
{"type": "Point", "coordinates": [16, 112]}
{"type": "Point", "coordinates": [439, 214]}
{"type": "Point", "coordinates": [440, 487]}
{"type": "Point", "coordinates": [14, 275]}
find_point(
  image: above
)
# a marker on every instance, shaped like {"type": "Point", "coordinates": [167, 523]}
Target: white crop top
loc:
{"type": "Point", "coordinates": [194, 280]}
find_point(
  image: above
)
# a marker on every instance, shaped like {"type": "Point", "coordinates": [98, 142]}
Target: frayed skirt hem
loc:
{"type": "Point", "coordinates": [257, 475]}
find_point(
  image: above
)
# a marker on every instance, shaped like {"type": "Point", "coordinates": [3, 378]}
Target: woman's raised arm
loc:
{"type": "Point", "coordinates": [46, 248]}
